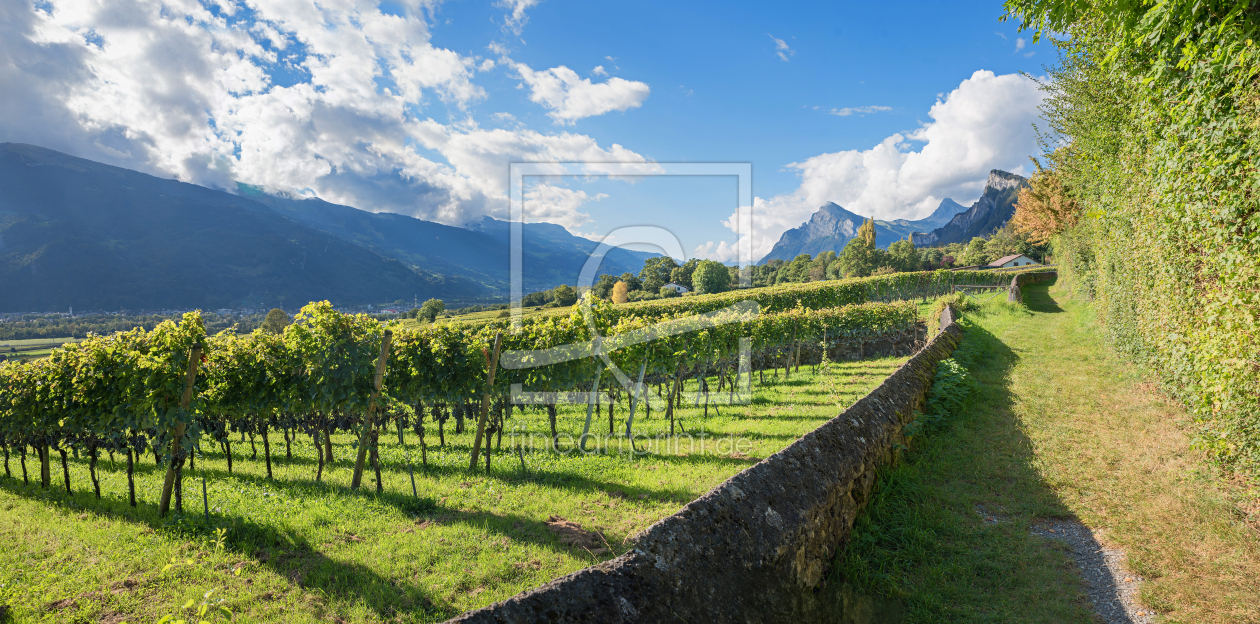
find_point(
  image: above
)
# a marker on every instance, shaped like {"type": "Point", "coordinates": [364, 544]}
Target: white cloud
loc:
{"type": "Point", "coordinates": [570, 97]}
{"type": "Point", "coordinates": [516, 19]}
{"type": "Point", "coordinates": [984, 124]}
{"type": "Point", "coordinates": [1020, 43]}
{"type": "Point", "coordinates": [781, 48]}
{"type": "Point", "coordinates": [557, 204]}
{"type": "Point", "coordinates": [599, 71]}
{"type": "Point", "coordinates": [860, 110]}
{"type": "Point", "coordinates": [721, 251]}
{"type": "Point", "coordinates": [344, 110]}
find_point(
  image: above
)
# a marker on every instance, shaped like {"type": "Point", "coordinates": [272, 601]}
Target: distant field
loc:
{"type": "Point", "coordinates": [36, 342]}
{"type": "Point", "coordinates": [478, 318]}
{"type": "Point", "coordinates": [33, 348]}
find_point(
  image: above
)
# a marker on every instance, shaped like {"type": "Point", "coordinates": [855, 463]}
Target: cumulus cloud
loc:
{"type": "Point", "coordinates": [599, 71]}
{"type": "Point", "coordinates": [557, 204]}
{"type": "Point", "coordinates": [569, 97]}
{"type": "Point", "coordinates": [983, 124]}
{"type": "Point", "coordinates": [515, 20]}
{"type": "Point", "coordinates": [860, 110]}
{"type": "Point", "coordinates": [781, 48]}
{"type": "Point", "coordinates": [335, 100]}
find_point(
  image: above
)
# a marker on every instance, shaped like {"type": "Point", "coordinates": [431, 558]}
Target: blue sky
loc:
{"type": "Point", "coordinates": [417, 107]}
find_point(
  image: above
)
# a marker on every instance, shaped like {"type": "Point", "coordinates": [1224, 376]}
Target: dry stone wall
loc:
{"type": "Point", "coordinates": [757, 548]}
{"type": "Point", "coordinates": [1023, 279]}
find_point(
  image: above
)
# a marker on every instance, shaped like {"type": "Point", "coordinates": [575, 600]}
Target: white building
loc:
{"type": "Point", "coordinates": [678, 288]}
{"type": "Point", "coordinates": [1016, 260]}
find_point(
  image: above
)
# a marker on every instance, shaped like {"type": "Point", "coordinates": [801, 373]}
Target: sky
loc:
{"type": "Point", "coordinates": [418, 107]}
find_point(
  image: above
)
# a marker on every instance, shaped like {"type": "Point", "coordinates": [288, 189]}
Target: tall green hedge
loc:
{"type": "Point", "coordinates": [1152, 122]}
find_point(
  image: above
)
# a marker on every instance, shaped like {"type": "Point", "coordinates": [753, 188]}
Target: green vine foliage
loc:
{"type": "Point", "coordinates": [1153, 115]}
{"type": "Point", "coordinates": [124, 391]}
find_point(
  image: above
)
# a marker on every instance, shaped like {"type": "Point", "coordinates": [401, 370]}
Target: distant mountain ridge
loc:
{"type": "Point", "coordinates": [831, 227]}
{"type": "Point", "coordinates": [478, 252]}
{"type": "Point", "coordinates": [939, 217]}
{"type": "Point", "coordinates": [994, 208]}
{"type": "Point", "coordinates": [74, 232]}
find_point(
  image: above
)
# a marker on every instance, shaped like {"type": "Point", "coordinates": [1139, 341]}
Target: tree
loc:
{"type": "Point", "coordinates": [857, 259]}
{"type": "Point", "coordinates": [619, 292]}
{"type": "Point", "coordinates": [818, 268]}
{"type": "Point", "coordinates": [902, 256]}
{"type": "Point", "coordinates": [711, 276]}
{"type": "Point", "coordinates": [275, 322]}
{"type": "Point", "coordinates": [632, 281]}
{"type": "Point", "coordinates": [682, 274]}
{"type": "Point", "coordinates": [603, 286]}
{"type": "Point", "coordinates": [430, 309]}
{"type": "Point", "coordinates": [867, 232]}
{"type": "Point", "coordinates": [932, 258]}
{"type": "Point", "coordinates": [1045, 208]}
{"type": "Point", "coordinates": [565, 295]}
{"type": "Point", "coordinates": [656, 272]}
{"type": "Point", "coordinates": [975, 253]}
{"type": "Point", "coordinates": [796, 271]}
{"type": "Point", "coordinates": [536, 299]}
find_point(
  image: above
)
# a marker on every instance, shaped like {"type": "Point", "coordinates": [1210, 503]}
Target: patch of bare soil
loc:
{"type": "Point", "coordinates": [111, 617]}
{"type": "Point", "coordinates": [58, 605]}
{"type": "Point", "coordinates": [572, 534]}
{"type": "Point", "coordinates": [124, 586]}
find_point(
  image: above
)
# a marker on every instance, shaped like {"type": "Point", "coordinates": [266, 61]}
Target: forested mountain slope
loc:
{"type": "Point", "coordinates": [79, 233]}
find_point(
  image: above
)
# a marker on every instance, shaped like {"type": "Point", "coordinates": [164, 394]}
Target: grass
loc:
{"type": "Point", "coordinates": [37, 342]}
{"type": "Point", "coordinates": [480, 318]}
{"type": "Point", "coordinates": [299, 551]}
{"type": "Point", "coordinates": [1059, 429]}
{"type": "Point", "coordinates": [32, 348]}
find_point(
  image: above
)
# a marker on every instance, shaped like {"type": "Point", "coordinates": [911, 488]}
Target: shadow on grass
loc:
{"type": "Point", "coordinates": [292, 555]}
{"type": "Point", "coordinates": [1037, 298]}
{"type": "Point", "coordinates": [949, 532]}
{"type": "Point", "coordinates": [284, 552]}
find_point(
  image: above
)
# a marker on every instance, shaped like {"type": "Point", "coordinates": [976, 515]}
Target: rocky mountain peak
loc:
{"type": "Point", "coordinates": [1001, 180]}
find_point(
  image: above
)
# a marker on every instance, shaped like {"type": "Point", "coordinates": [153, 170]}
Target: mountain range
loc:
{"type": "Point", "coordinates": [74, 232]}
{"type": "Point", "coordinates": [994, 208]}
{"type": "Point", "coordinates": [831, 227]}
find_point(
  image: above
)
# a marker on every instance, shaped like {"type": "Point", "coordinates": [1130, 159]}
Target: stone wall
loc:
{"type": "Point", "coordinates": [759, 547]}
{"type": "Point", "coordinates": [1024, 279]}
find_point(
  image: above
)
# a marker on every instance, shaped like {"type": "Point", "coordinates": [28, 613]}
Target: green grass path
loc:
{"type": "Point", "coordinates": [1059, 429]}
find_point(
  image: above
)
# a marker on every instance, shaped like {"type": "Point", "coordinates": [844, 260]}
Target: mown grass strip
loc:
{"type": "Point", "coordinates": [1059, 429]}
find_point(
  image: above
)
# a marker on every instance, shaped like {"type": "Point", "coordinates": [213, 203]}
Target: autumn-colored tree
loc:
{"type": "Point", "coordinates": [620, 292]}
{"type": "Point", "coordinates": [1044, 208]}
{"type": "Point", "coordinates": [867, 232]}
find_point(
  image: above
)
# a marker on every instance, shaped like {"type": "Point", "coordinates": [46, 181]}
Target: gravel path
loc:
{"type": "Point", "coordinates": [1112, 588]}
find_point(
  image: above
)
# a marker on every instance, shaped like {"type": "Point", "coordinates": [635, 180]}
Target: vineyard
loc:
{"type": "Point", "coordinates": [174, 390]}
{"type": "Point", "coordinates": [169, 399]}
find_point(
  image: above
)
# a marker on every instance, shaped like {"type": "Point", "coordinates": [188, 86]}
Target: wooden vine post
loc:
{"type": "Point", "coordinates": [493, 365]}
{"type": "Point", "coordinates": [365, 435]}
{"type": "Point", "coordinates": [194, 358]}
